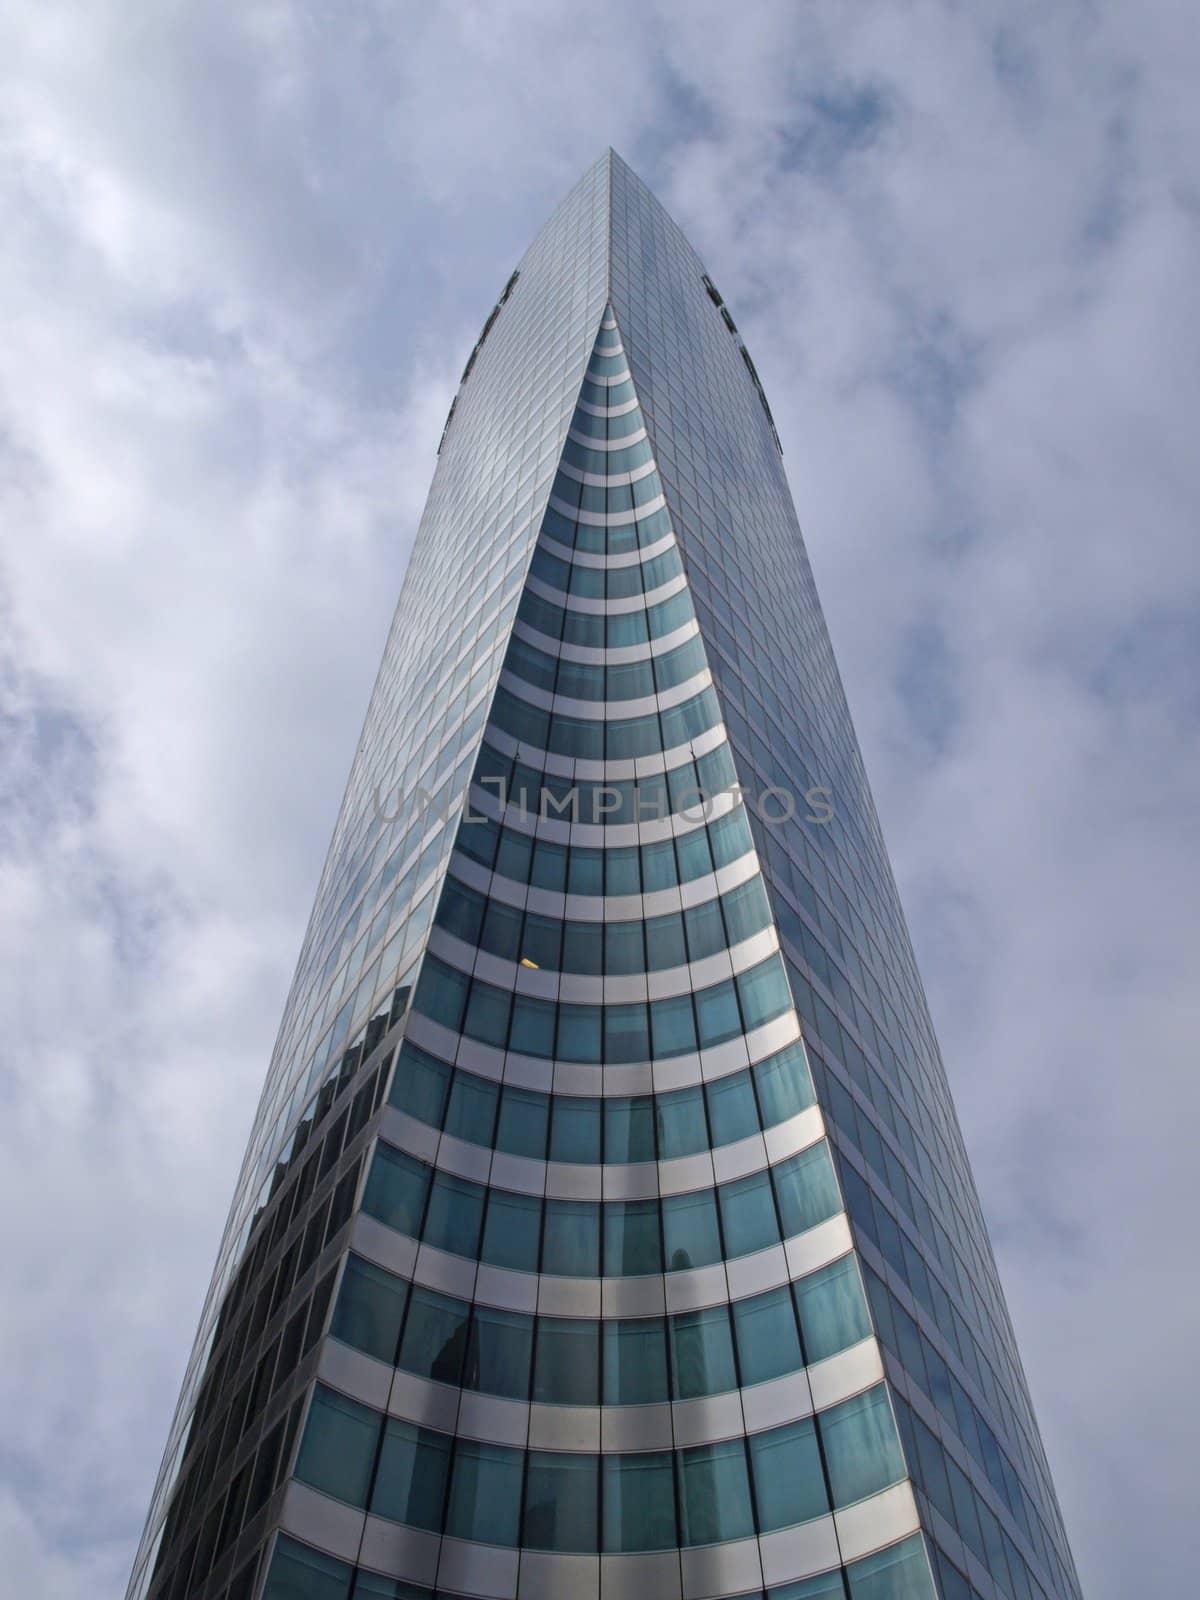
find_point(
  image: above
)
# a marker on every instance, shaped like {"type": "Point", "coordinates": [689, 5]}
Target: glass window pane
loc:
{"type": "Point", "coordinates": [571, 1245]}
{"type": "Point", "coordinates": [455, 1215]}
{"type": "Point", "coordinates": [690, 1234]}
{"type": "Point", "coordinates": [301, 1573]}
{"type": "Point", "coordinates": [515, 850]}
{"type": "Point", "coordinates": [420, 1085]}
{"type": "Point", "coordinates": [578, 1033]}
{"type": "Point", "coordinates": [629, 1129]}
{"type": "Point", "coordinates": [635, 1362]}
{"type": "Point", "coordinates": [705, 930]}
{"type": "Point", "coordinates": [730, 837]}
{"type": "Point", "coordinates": [626, 1033]}
{"type": "Point", "coordinates": [583, 948]}
{"type": "Point", "coordinates": [764, 992]}
{"type": "Point", "coordinates": [748, 1214]}
{"type": "Point", "coordinates": [622, 872]}
{"type": "Point", "coordinates": [524, 1123]}
{"type": "Point", "coordinates": [746, 910]}
{"type": "Point", "coordinates": [807, 1189]}
{"type": "Point", "coordinates": [549, 866]}
{"type": "Point", "coordinates": [541, 941]}
{"type": "Point", "coordinates": [512, 1232]}
{"type": "Point", "coordinates": [702, 1353]}
{"type": "Point", "coordinates": [658, 866]}
{"type": "Point", "coordinates": [395, 1191]}
{"type": "Point", "coordinates": [832, 1309]}
{"type": "Point", "coordinates": [639, 1502]}
{"type": "Point", "coordinates": [575, 1129]}
{"type": "Point", "coordinates": [532, 1032]}
{"type": "Point", "coordinates": [862, 1449]}
{"type": "Point", "coordinates": [714, 1494]}
{"type": "Point", "coordinates": [784, 1085]}
{"type": "Point", "coordinates": [682, 1128]}
{"type": "Point", "coordinates": [487, 1014]}
{"type": "Point", "coordinates": [435, 1336]}
{"type": "Point", "coordinates": [587, 871]}
{"type": "Point", "coordinates": [567, 1362]}
{"type": "Point", "coordinates": [665, 945]}
{"type": "Point", "coordinates": [732, 1112]}
{"type": "Point", "coordinates": [717, 1014]}
{"type": "Point", "coordinates": [789, 1485]}
{"type": "Point", "coordinates": [673, 1026]}
{"type": "Point", "coordinates": [695, 858]}
{"type": "Point", "coordinates": [623, 949]}
{"type": "Point", "coordinates": [338, 1451]}
{"type": "Point", "coordinates": [500, 1353]}
{"type": "Point", "coordinates": [501, 935]}
{"type": "Point", "coordinates": [900, 1572]}
{"type": "Point", "coordinates": [410, 1485]}
{"type": "Point", "coordinates": [632, 1241]}
{"type": "Point", "coordinates": [441, 993]}
{"type": "Point", "coordinates": [370, 1309]}
{"type": "Point", "coordinates": [767, 1341]}
{"type": "Point", "coordinates": [485, 1493]}
{"type": "Point", "coordinates": [561, 1501]}
{"type": "Point", "coordinates": [471, 1114]}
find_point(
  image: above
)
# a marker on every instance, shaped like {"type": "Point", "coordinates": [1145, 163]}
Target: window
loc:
{"type": "Point", "coordinates": [629, 1129]}
{"type": "Point", "coordinates": [395, 1191]}
{"type": "Point", "coordinates": [763, 992]}
{"type": "Point", "coordinates": [338, 1451]}
{"type": "Point", "coordinates": [524, 1121]}
{"type": "Point", "coordinates": [714, 1494]}
{"type": "Point", "coordinates": [682, 1129]}
{"type": "Point", "coordinates": [561, 1495]}
{"type": "Point", "coordinates": [717, 1014]}
{"type": "Point", "coordinates": [691, 1237]}
{"type": "Point", "coordinates": [632, 1241]}
{"type": "Point", "coordinates": [635, 1362]}
{"type": "Point", "coordinates": [578, 1033]}
{"type": "Point", "coordinates": [789, 1486]}
{"type": "Point", "coordinates": [512, 1231]}
{"type": "Point", "coordinates": [900, 1572]}
{"type": "Point", "coordinates": [672, 1026]}
{"type": "Point", "coordinates": [532, 1032]}
{"type": "Point", "coordinates": [767, 1342]}
{"type": "Point", "coordinates": [832, 1309]}
{"type": "Point", "coordinates": [639, 1502]}
{"type": "Point", "coordinates": [485, 1493]}
{"type": "Point", "coordinates": [575, 1129]}
{"type": "Point", "coordinates": [807, 1189]}
{"type": "Point", "coordinates": [746, 910]}
{"type": "Point", "coordinates": [784, 1085]}
{"type": "Point", "coordinates": [299, 1573]}
{"type": "Point", "coordinates": [370, 1309]}
{"type": "Point", "coordinates": [441, 993]}
{"type": "Point", "coordinates": [487, 1014]}
{"type": "Point", "coordinates": [665, 947]}
{"type": "Point", "coordinates": [500, 1352]}
{"type": "Point", "coordinates": [732, 1112]}
{"type": "Point", "coordinates": [705, 930]}
{"type": "Point", "coordinates": [626, 1033]}
{"type": "Point", "coordinates": [410, 1485]}
{"type": "Point", "coordinates": [862, 1449]}
{"type": "Point", "coordinates": [567, 1362]}
{"type": "Point", "coordinates": [435, 1337]}
{"type": "Point", "coordinates": [702, 1353]}
{"type": "Point", "coordinates": [420, 1085]}
{"type": "Point", "coordinates": [471, 1114]}
{"type": "Point", "coordinates": [455, 1215]}
{"type": "Point", "coordinates": [748, 1214]}
{"type": "Point", "coordinates": [571, 1245]}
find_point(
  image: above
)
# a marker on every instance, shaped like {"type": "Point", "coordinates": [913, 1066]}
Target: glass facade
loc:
{"type": "Point", "coordinates": [605, 1228]}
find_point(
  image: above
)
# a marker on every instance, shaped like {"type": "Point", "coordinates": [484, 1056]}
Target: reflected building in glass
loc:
{"type": "Point", "coordinates": [606, 1229]}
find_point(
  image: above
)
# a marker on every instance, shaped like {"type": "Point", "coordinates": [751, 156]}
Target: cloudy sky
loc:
{"type": "Point", "coordinates": [245, 252]}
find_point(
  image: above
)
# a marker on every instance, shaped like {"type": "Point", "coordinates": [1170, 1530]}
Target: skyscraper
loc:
{"type": "Point", "coordinates": [605, 1227]}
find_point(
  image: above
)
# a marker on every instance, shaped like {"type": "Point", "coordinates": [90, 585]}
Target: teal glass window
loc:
{"type": "Point", "coordinates": [435, 1336]}
{"type": "Point", "coordinates": [579, 1036]}
{"type": "Point", "coordinates": [460, 911]}
{"type": "Point", "coordinates": [532, 1030]}
{"type": "Point", "coordinates": [714, 1494]}
{"type": "Point", "coordinates": [632, 1241]}
{"type": "Point", "coordinates": [695, 857]}
{"type": "Point", "coordinates": [623, 948]}
{"type": "Point", "coordinates": [524, 1123]}
{"type": "Point", "coordinates": [639, 1501]}
{"type": "Point", "coordinates": [658, 866]}
{"type": "Point", "coordinates": [541, 941]}
{"type": "Point", "coordinates": [515, 851]}
{"type": "Point", "coordinates": [420, 1085]}
{"type": "Point", "coordinates": [730, 836]}
{"type": "Point", "coordinates": [732, 1111]}
{"type": "Point", "coordinates": [561, 1501]}
{"type": "Point", "coordinates": [485, 1493]}
{"type": "Point", "coordinates": [487, 1014]}
{"type": "Point", "coordinates": [501, 932]}
{"type": "Point", "coordinates": [832, 1309]}
{"type": "Point", "coordinates": [807, 1189]}
{"type": "Point", "coordinates": [575, 1129]}
{"type": "Point", "coordinates": [301, 1573]}
{"type": "Point", "coordinates": [789, 1485]}
{"type": "Point", "coordinates": [571, 1243]}
{"type": "Point", "coordinates": [455, 1215]}
{"type": "Point", "coordinates": [500, 1352]}
{"type": "Point", "coordinates": [717, 1014]}
{"type": "Point", "coordinates": [768, 1344]}
{"type": "Point", "coordinates": [471, 1114]}
{"type": "Point", "coordinates": [410, 1485]}
{"type": "Point", "coordinates": [705, 930]}
{"type": "Point", "coordinates": [441, 993]}
{"type": "Point", "coordinates": [682, 1128]}
{"type": "Point", "coordinates": [370, 1309]}
{"type": "Point", "coordinates": [583, 948]}
{"type": "Point", "coordinates": [672, 1026]}
{"type": "Point", "coordinates": [512, 1231]}
{"type": "Point", "coordinates": [396, 1190]}
{"type": "Point", "coordinates": [567, 1362]}
{"type": "Point", "coordinates": [691, 1237]}
{"type": "Point", "coordinates": [763, 992]}
{"type": "Point", "coordinates": [702, 1353]}
{"type": "Point", "coordinates": [635, 1361]}
{"type": "Point", "coordinates": [746, 910]}
{"type": "Point", "coordinates": [586, 875]}
{"type": "Point", "coordinates": [626, 1033]}
{"type": "Point", "coordinates": [748, 1214]}
{"type": "Point", "coordinates": [629, 1129]}
{"type": "Point", "coordinates": [338, 1451]}
{"type": "Point", "coordinates": [549, 867]}
{"type": "Point", "coordinates": [665, 945]}
{"type": "Point", "coordinates": [784, 1085]}
{"type": "Point", "coordinates": [622, 870]}
{"type": "Point", "coordinates": [862, 1448]}
{"type": "Point", "coordinates": [901, 1572]}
